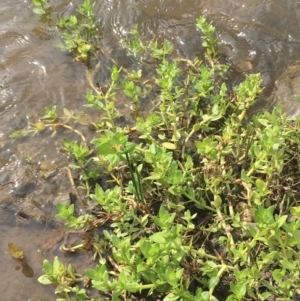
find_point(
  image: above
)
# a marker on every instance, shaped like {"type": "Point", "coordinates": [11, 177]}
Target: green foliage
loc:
{"type": "Point", "coordinates": [80, 33]}
{"type": "Point", "coordinates": [67, 213]}
{"type": "Point", "coordinates": [200, 198]}
{"type": "Point", "coordinates": [50, 114]}
{"type": "Point", "coordinates": [43, 9]}
{"type": "Point", "coordinates": [64, 277]}
{"type": "Point", "coordinates": [209, 42]}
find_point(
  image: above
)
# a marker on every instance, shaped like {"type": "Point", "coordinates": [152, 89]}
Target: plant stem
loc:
{"type": "Point", "coordinates": [137, 184]}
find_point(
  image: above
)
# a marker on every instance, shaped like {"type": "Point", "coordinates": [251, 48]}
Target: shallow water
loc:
{"type": "Point", "coordinates": [19, 278]}
{"type": "Point", "coordinates": [17, 282]}
{"type": "Point", "coordinates": [255, 36]}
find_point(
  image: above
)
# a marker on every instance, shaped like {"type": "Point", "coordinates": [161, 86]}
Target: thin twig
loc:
{"type": "Point", "coordinates": [74, 189]}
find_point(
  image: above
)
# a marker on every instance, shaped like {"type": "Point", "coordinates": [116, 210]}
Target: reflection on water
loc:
{"type": "Point", "coordinates": [255, 36]}
{"type": "Point", "coordinates": [19, 278]}
{"type": "Point", "coordinates": [27, 271]}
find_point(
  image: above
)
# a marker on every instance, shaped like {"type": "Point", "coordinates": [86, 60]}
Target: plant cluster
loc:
{"type": "Point", "coordinates": [201, 199]}
{"type": "Point", "coordinates": [43, 8]}
{"type": "Point", "coordinates": [80, 33]}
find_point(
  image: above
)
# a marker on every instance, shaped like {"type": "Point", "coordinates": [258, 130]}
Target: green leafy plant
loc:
{"type": "Point", "coordinates": [201, 199]}
{"type": "Point", "coordinates": [81, 34]}
{"type": "Point", "coordinates": [209, 42]}
{"type": "Point", "coordinates": [43, 9]}
{"type": "Point", "coordinates": [65, 278]}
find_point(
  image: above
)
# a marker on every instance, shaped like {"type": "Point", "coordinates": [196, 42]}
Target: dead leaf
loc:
{"type": "Point", "coordinates": [15, 252]}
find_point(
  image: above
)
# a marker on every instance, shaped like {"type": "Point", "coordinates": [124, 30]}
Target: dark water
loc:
{"type": "Point", "coordinates": [255, 36]}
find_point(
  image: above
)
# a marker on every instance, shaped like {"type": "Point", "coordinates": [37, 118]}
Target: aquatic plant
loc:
{"type": "Point", "coordinates": [42, 7]}
{"type": "Point", "coordinates": [81, 33]}
{"type": "Point", "coordinates": [201, 200]}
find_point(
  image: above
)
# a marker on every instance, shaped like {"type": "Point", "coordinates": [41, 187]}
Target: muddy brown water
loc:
{"type": "Point", "coordinates": [255, 36]}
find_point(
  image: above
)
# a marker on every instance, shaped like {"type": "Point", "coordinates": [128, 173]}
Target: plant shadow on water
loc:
{"type": "Point", "coordinates": [36, 241]}
{"type": "Point", "coordinates": [19, 274]}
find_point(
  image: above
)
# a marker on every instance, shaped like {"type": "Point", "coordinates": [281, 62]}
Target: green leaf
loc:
{"type": "Point", "coordinates": [70, 209]}
{"type": "Point", "coordinates": [72, 21]}
{"type": "Point", "coordinates": [122, 279]}
{"type": "Point", "coordinates": [288, 265]}
{"type": "Point", "coordinates": [207, 147]}
{"type": "Point", "coordinates": [132, 287]}
{"type": "Point", "coordinates": [217, 201]}
{"type": "Point", "coordinates": [278, 275]}
{"type": "Point", "coordinates": [47, 267]}
{"type": "Point", "coordinates": [281, 221]}
{"type": "Point", "coordinates": [99, 273]}
{"type": "Point", "coordinates": [38, 10]}
{"type": "Point", "coordinates": [295, 211]}
{"type": "Point", "coordinates": [264, 215]}
{"type": "Point", "coordinates": [231, 298]}
{"type": "Point", "coordinates": [170, 276]}
{"type": "Point", "coordinates": [213, 282]}
{"type": "Point", "coordinates": [135, 75]}
{"type": "Point", "coordinates": [129, 147]}
{"type": "Point", "coordinates": [115, 73]}
{"type": "Point", "coordinates": [44, 280]}
{"type": "Point", "coordinates": [164, 219]}
{"type": "Point", "coordinates": [57, 265]}
{"type": "Point", "coordinates": [264, 122]}
{"type": "Point", "coordinates": [238, 289]}
{"type": "Point", "coordinates": [205, 296]}
{"type": "Point", "coordinates": [171, 297]}
{"type": "Point", "coordinates": [37, 2]}
{"type": "Point", "coordinates": [245, 177]}
{"type": "Point", "coordinates": [158, 237]}
{"type": "Point", "coordinates": [262, 187]}
{"type": "Point", "coordinates": [115, 297]}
